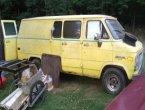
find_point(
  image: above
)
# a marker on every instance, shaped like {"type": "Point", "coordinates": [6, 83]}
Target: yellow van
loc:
{"type": "Point", "coordinates": [8, 34]}
{"type": "Point", "coordinates": [96, 46]}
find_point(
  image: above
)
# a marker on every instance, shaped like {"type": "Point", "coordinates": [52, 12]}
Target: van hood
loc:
{"type": "Point", "coordinates": [131, 43]}
{"type": "Point", "coordinates": [124, 47]}
{"type": "Point", "coordinates": [135, 49]}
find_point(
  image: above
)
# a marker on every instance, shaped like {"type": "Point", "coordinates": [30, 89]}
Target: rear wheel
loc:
{"type": "Point", "coordinates": [37, 62]}
{"type": "Point", "coordinates": [113, 81]}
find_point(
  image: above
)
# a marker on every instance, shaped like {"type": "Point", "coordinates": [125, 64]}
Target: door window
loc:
{"type": "Point", "coordinates": [1, 31]}
{"type": "Point", "coordinates": [72, 29]}
{"type": "Point", "coordinates": [96, 28]}
{"type": "Point", "coordinates": [9, 28]}
{"type": "Point", "coordinates": [56, 31]}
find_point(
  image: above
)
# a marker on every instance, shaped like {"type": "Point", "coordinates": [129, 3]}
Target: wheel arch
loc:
{"type": "Point", "coordinates": [115, 66]}
{"type": "Point", "coordinates": [33, 57]}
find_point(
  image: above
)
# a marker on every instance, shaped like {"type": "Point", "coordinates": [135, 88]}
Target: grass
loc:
{"type": "Point", "coordinates": [74, 93]}
{"type": "Point", "coordinates": [6, 90]}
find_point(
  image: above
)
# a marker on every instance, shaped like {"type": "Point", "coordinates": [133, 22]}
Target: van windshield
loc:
{"type": "Point", "coordinates": [116, 29]}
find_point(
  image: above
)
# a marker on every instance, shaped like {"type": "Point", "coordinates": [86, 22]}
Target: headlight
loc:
{"type": "Point", "coordinates": [138, 61]}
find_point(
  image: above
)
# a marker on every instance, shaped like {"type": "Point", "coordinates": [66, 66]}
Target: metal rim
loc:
{"type": "Point", "coordinates": [113, 82]}
{"type": "Point", "coordinates": [35, 91]}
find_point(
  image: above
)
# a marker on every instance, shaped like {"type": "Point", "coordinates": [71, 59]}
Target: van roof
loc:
{"type": "Point", "coordinates": [72, 16]}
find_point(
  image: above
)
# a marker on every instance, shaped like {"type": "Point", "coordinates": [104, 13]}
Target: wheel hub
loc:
{"type": "Point", "coordinates": [113, 82]}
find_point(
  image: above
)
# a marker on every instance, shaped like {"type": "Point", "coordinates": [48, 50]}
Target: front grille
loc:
{"type": "Point", "coordinates": [140, 59]}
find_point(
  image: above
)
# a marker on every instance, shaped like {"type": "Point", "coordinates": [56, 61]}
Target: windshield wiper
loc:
{"type": "Point", "coordinates": [121, 32]}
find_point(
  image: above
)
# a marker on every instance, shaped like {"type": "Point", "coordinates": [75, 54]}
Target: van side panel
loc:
{"type": "Point", "coordinates": [1, 43]}
{"type": "Point", "coordinates": [34, 38]}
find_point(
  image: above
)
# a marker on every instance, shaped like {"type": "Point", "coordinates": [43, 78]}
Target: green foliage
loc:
{"type": "Point", "coordinates": [128, 11]}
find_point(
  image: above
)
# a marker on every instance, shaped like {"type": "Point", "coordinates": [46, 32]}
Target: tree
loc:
{"type": "Point", "coordinates": [128, 11]}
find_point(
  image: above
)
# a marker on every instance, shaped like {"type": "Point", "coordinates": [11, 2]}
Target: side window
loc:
{"type": "Point", "coordinates": [72, 29]}
{"type": "Point", "coordinates": [1, 31]}
{"type": "Point", "coordinates": [56, 31]}
{"type": "Point", "coordinates": [9, 28]}
{"type": "Point", "coordinates": [96, 28]}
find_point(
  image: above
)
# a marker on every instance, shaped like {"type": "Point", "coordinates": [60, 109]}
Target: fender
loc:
{"type": "Point", "coordinates": [116, 65]}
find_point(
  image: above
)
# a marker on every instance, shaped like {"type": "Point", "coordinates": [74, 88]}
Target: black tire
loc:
{"type": "Point", "coordinates": [2, 108]}
{"type": "Point", "coordinates": [35, 90]}
{"type": "Point", "coordinates": [37, 62]}
{"type": "Point", "coordinates": [113, 81]}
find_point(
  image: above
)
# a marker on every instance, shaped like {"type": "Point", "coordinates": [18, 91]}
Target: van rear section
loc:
{"type": "Point", "coordinates": [8, 35]}
{"type": "Point", "coordinates": [33, 38]}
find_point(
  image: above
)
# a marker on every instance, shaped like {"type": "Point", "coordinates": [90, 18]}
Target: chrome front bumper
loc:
{"type": "Point", "coordinates": [139, 72]}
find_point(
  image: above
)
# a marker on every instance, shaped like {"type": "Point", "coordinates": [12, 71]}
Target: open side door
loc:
{"type": "Point", "coordinates": [9, 30]}
{"type": "Point", "coordinates": [1, 43]}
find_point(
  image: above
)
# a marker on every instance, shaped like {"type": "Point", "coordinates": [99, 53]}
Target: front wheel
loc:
{"type": "Point", "coordinates": [113, 81]}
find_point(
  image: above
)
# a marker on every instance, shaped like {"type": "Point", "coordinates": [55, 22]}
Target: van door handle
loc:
{"type": "Point", "coordinates": [7, 41]}
{"type": "Point", "coordinates": [86, 45]}
{"type": "Point", "coordinates": [19, 48]}
{"type": "Point", "coordinates": [64, 43]}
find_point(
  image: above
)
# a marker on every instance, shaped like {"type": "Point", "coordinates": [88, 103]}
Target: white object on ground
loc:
{"type": "Point", "coordinates": [15, 100]}
{"type": "Point", "coordinates": [47, 80]}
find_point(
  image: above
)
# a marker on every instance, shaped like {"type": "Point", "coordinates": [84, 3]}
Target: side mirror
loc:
{"type": "Point", "coordinates": [99, 43]}
{"type": "Point", "coordinates": [52, 30]}
{"type": "Point", "coordinates": [98, 38]}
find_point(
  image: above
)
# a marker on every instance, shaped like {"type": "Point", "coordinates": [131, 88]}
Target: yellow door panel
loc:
{"type": "Point", "coordinates": [56, 47]}
{"type": "Point", "coordinates": [71, 55]}
{"type": "Point", "coordinates": [75, 63]}
{"type": "Point", "coordinates": [71, 50]}
{"type": "Point", "coordinates": [71, 70]}
{"type": "Point", "coordinates": [10, 34]}
{"type": "Point", "coordinates": [91, 73]}
{"type": "Point", "coordinates": [10, 49]}
{"type": "Point", "coordinates": [72, 46]}
{"type": "Point", "coordinates": [93, 55]}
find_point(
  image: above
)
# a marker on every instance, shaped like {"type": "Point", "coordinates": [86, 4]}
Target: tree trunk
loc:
{"type": "Point", "coordinates": [133, 21]}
